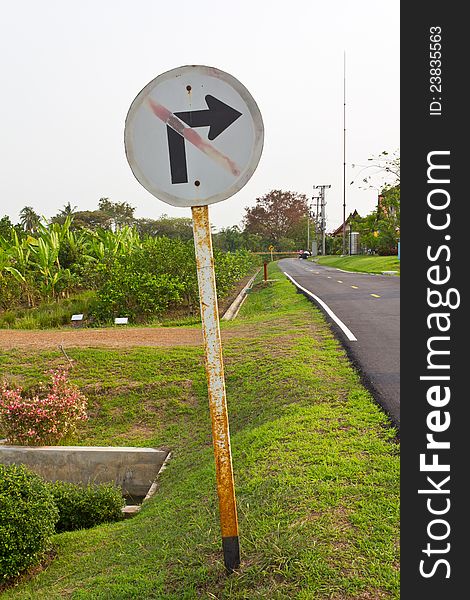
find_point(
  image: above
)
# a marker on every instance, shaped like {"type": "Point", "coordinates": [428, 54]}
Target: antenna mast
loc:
{"type": "Point", "coordinates": [344, 152]}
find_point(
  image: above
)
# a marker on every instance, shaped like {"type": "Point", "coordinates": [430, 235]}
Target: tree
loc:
{"type": "Point", "coordinates": [180, 228]}
{"type": "Point", "coordinates": [333, 244]}
{"type": "Point", "coordinates": [389, 204]}
{"type": "Point", "coordinates": [389, 164]}
{"type": "Point", "coordinates": [277, 217]}
{"type": "Point", "coordinates": [109, 215]}
{"type": "Point", "coordinates": [5, 227]}
{"type": "Point", "coordinates": [368, 232]}
{"type": "Point", "coordinates": [388, 220]}
{"type": "Point", "coordinates": [67, 211]}
{"type": "Point", "coordinates": [229, 239]}
{"type": "Point", "coordinates": [120, 213]}
{"type": "Point", "coordinates": [379, 231]}
{"type": "Point", "coordinates": [29, 219]}
{"type": "Point", "coordinates": [91, 219]}
{"type": "Point", "coordinates": [382, 171]}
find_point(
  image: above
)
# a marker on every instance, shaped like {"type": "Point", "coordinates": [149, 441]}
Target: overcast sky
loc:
{"type": "Point", "coordinates": [70, 71]}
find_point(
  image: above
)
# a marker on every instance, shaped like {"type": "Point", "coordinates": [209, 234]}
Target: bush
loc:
{"type": "Point", "coordinates": [10, 291]}
{"type": "Point", "coordinates": [142, 283]}
{"type": "Point", "coordinates": [138, 296]}
{"type": "Point", "coordinates": [7, 319]}
{"type": "Point", "coordinates": [27, 517]}
{"type": "Point", "coordinates": [83, 507]}
{"type": "Point", "coordinates": [162, 273]}
{"type": "Point", "coordinates": [44, 416]}
{"type": "Point", "coordinates": [230, 267]}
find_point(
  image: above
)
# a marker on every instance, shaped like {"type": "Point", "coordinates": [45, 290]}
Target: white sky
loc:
{"type": "Point", "coordinates": [70, 71]}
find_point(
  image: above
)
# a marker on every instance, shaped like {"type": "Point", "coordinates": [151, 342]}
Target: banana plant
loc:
{"type": "Point", "coordinates": [6, 267]}
{"type": "Point", "coordinates": [77, 241]}
{"type": "Point", "coordinates": [20, 252]}
{"type": "Point", "coordinates": [105, 244]}
{"type": "Point", "coordinates": [45, 262]}
{"type": "Point", "coordinates": [35, 260]}
{"type": "Point", "coordinates": [48, 286]}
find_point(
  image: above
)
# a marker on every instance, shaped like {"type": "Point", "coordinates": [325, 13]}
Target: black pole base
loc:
{"type": "Point", "coordinates": [231, 547]}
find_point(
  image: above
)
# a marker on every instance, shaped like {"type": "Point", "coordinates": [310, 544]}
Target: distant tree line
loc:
{"type": "Point", "coordinates": [280, 219]}
{"type": "Point", "coordinates": [127, 274]}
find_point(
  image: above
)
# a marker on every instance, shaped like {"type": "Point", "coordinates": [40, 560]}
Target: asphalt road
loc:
{"type": "Point", "coordinates": [369, 308]}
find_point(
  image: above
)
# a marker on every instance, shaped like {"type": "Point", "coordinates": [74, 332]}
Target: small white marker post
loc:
{"type": "Point", "coordinates": [121, 320]}
{"type": "Point", "coordinates": [77, 320]}
{"type": "Point", "coordinates": [182, 167]}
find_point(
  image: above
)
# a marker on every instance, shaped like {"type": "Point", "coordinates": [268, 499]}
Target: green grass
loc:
{"type": "Point", "coordinates": [58, 314]}
{"type": "Point", "coordinates": [315, 460]}
{"type": "Point", "coordinates": [47, 315]}
{"type": "Point", "coordinates": [366, 264]}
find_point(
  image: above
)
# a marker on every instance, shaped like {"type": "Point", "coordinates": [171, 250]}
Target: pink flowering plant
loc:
{"type": "Point", "coordinates": [44, 416]}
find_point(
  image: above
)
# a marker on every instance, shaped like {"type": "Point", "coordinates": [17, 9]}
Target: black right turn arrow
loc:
{"type": "Point", "coordinates": [218, 116]}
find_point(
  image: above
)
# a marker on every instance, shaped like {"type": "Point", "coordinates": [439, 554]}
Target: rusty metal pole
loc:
{"type": "Point", "coordinates": [265, 271]}
{"type": "Point", "coordinates": [216, 387]}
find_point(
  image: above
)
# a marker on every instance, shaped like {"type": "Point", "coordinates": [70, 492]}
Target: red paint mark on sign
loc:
{"type": "Point", "coordinates": [193, 137]}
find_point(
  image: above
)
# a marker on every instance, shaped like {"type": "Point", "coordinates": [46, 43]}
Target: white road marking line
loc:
{"type": "Point", "coordinates": [347, 332]}
{"type": "Point", "coordinates": [356, 272]}
{"type": "Point", "coordinates": [375, 295]}
{"type": "Point", "coordinates": [355, 287]}
{"type": "Point", "coordinates": [328, 277]}
{"type": "Point", "coordinates": [339, 281]}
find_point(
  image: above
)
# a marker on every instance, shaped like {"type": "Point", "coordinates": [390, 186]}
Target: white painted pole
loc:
{"type": "Point", "coordinates": [216, 386]}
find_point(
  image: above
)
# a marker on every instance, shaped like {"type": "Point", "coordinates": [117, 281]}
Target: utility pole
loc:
{"type": "Point", "coordinates": [317, 221]}
{"type": "Point", "coordinates": [308, 227]}
{"type": "Point", "coordinates": [322, 189]}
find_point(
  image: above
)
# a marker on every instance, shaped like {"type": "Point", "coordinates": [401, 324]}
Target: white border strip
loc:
{"type": "Point", "coordinates": [347, 332]}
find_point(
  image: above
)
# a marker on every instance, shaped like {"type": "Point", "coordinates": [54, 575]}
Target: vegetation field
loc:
{"type": "Point", "coordinates": [316, 467]}
{"type": "Point", "coordinates": [104, 274]}
{"type": "Point", "coordinates": [366, 264]}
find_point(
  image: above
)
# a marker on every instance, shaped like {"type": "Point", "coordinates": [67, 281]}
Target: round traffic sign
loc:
{"type": "Point", "coordinates": [193, 136]}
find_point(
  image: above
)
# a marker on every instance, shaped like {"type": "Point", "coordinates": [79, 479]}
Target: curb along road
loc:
{"type": "Point", "coordinates": [233, 309]}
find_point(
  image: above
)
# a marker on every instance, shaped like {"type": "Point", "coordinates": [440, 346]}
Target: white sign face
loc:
{"type": "Point", "coordinates": [193, 136]}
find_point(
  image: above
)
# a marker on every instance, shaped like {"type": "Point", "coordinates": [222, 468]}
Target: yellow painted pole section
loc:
{"type": "Point", "coordinates": [215, 372]}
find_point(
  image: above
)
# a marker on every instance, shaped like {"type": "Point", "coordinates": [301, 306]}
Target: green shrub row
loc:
{"type": "Point", "coordinates": [82, 507]}
{"type": "Point", "coordinates": [32, 510]}
{"type": "Point", "coordinates": [138, 279]}
{"type": "Point", "coordinates": [160, 274]}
